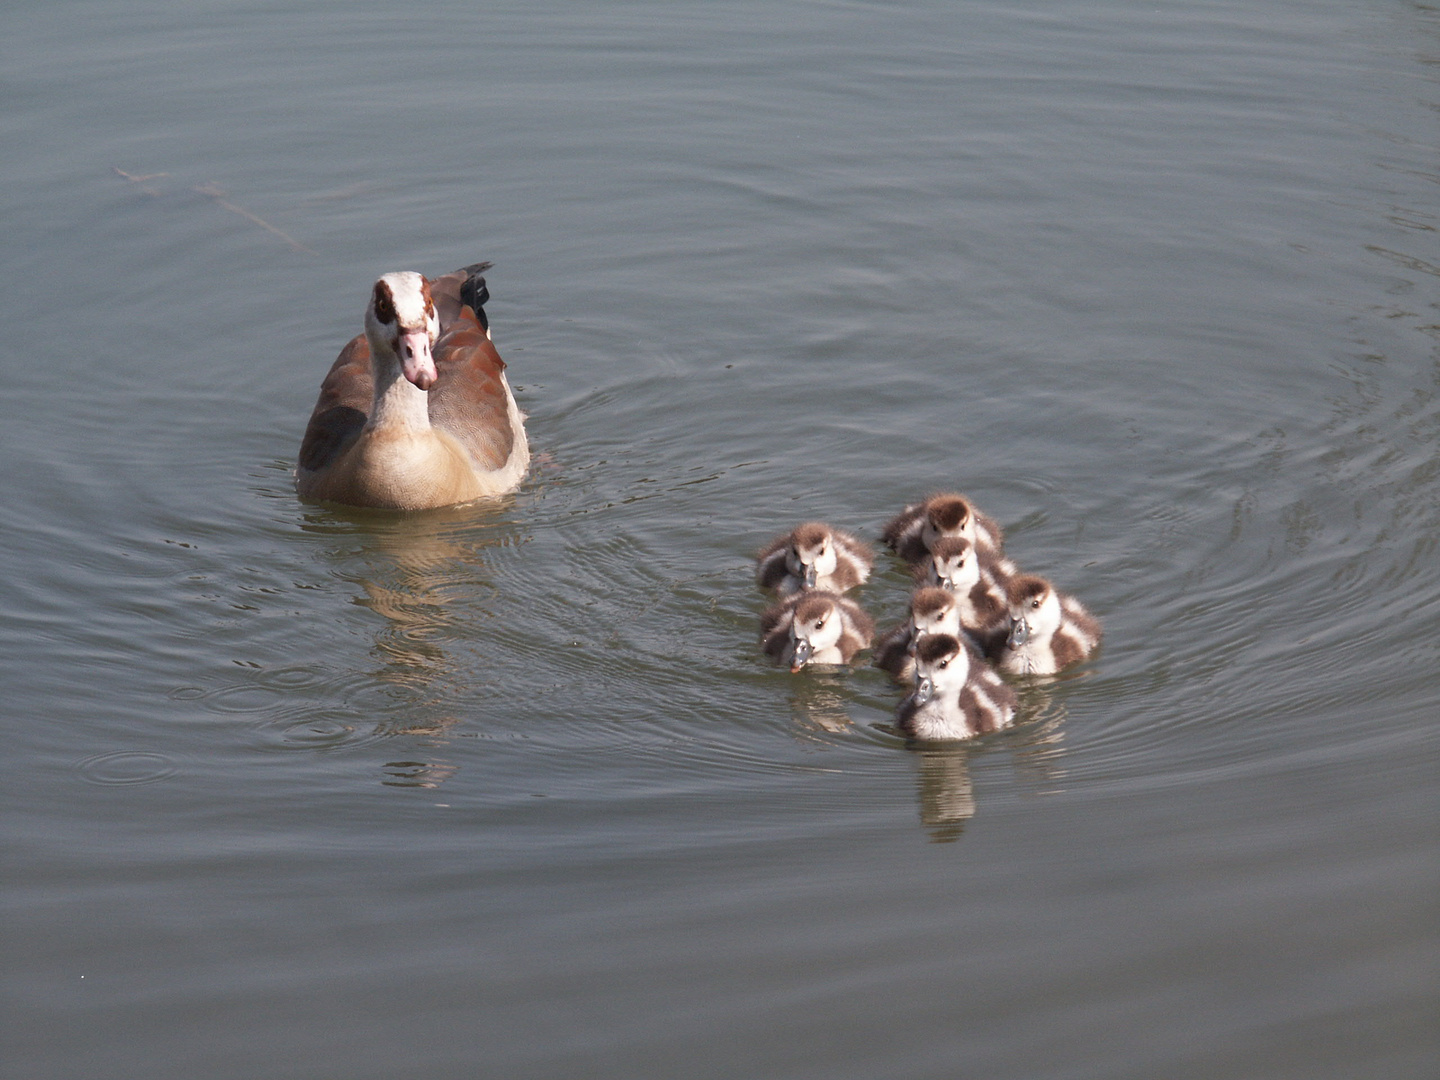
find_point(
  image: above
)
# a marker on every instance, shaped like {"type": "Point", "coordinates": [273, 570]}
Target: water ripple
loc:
{"type": "Point", "coordinates": [127, 767]}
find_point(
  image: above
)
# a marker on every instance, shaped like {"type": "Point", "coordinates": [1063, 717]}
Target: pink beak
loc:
{"type": "Point", "coordinates": [415, 359]}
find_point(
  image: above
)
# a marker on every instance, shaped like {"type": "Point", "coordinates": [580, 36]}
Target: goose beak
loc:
{"type": "Point", "coordinates": [811, 575]}
{"type": "Point", "coordinates": [924, 690]}
{"type": "Point", "coordinates": [416, 361]}
{"type": "Point", "coordinates": [1019, 633]}
{"type": "Point", "coordinates": [803, 651]}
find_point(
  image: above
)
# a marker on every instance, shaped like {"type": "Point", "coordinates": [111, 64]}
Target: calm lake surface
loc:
{"type": "Point", "coordinates": [506, 791]}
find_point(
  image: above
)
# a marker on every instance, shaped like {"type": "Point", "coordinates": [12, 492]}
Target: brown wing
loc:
{"type": "Point", "coordinates": [892, 652]}
{"type": "Point", "coordinates": [340, 412]}
{"type": "Point", "coordinates": [895, 529]}
{"type": "Point", "coordinates": [775, 624]}
{"type": "Point", "coordinates": [469, 400]}
{"type": "Point", "coordinates": [860, 623]}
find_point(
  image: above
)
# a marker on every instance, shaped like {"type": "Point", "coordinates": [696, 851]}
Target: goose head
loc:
{"type": "Point", "coordinates": [812, 553]}
{"type": "Point", "coordinates": [1034, 609]}
{"type": "Point", "coordinates": [942, 666]}
{"type": "Point", "coordinates": [402, 327]}
{"type": "Point", "coordinates": [817, 626]}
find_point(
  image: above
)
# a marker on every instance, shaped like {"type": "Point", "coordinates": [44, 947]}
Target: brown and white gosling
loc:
{"type": "Point", "coordinates": [814, 556]}
{"type": "Point", "coordinates": [956, 696]}
{"type": "Point", "coordinates": [913, 532]}
{"type": "Point", "coordinates": [1049, 630]}
{"type": "Point", "coordinates": [814, 627]}
{"type": "Point", "coordinates": [982, 606]}
{"type": "Point", "coordinates": [933, 610]}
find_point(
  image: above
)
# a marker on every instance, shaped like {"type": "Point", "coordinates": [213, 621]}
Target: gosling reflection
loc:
{"type": "Point", "coordinates": [417, 774]}
{"type": "Point", "coordinates": [1040, 743]}
{"type": "Point", "coordinates": [945, 790]}
{"type": "Point", "coordinates": [947, 794]}
{"type": "Point", "coordinates": [818, 704]}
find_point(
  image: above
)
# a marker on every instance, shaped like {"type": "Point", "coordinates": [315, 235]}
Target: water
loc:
{"type": "Point", "coordinates": [303, 792]}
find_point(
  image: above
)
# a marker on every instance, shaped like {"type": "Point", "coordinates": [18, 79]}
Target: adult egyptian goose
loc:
{"type": "Point", "coordinates": [1049, 630]}
{"type": "Point", "coordinates": [956, 696]}
{"type": "Point", "coordinates": [416, 412]}
{"type": "Point", "coordinates": [912, 532]}
{"type": "Point", "coordinates": [813, 627]}
{"type": "Point", "coordinates": [814, 556]}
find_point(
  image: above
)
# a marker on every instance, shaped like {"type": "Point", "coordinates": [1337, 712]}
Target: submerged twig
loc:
{"type": "Point", "coordinates": [141, 179]}
{"type": "Point", "coordinates": [217, 193]}
{"type": "Point", "coordinates": [214, 191]}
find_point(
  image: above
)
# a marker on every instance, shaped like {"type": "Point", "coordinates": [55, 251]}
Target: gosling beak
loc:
{"type": "Point", "coordinates": [803, 652]}
{"type": "Point", "coordinates": [811, 575]}
{"type": "Point", "coordinates": [1019, 633]}
{"type": "Point", "coordinates": [924, 690]}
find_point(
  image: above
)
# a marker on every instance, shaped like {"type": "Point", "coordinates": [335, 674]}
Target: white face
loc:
{"type": "Point", "coordinates": [812, 562]}
{"type": "Point", "coordinates": [943, 675]}
{"type": "Point", "coordinates": [401, 318]}
{"type": "Point", "coordinates": [1040, 614]}
{"type": "Point", "coordinates": [945, 620]}
{"type": "Point", "coordinates": [957, 571]}
{"type": "Point", "coordinates": [818, 633]}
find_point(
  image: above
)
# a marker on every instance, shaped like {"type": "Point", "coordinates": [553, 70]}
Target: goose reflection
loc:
{"type": "Point", "coordinates": [412, 570]}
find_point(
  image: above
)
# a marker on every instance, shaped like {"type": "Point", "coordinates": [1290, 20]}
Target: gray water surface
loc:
{"type": "Point", "coordinates": [304, 792]}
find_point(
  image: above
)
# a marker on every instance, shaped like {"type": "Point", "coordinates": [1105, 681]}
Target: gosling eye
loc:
{"type": "Point", "coordinates": [1034, 603]}
{"type": "Point", "coordinates": [943, 664]}
{"type": "Point", "coordinates": [819, 624]}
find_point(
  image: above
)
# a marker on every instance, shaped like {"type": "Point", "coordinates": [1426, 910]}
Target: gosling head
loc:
{"type": "Point", "coordinates": [942, 665]}
{"type": "Point", "coordinates": [1034, 609]}
{"type": "Point", "coordinates": [947, 515]}
{"type": "Point", "coordinates": [953, 564]}
{"type": "Point", "coordinates": [933, 610]}
{"type": "Point", "coordinates": [812, 553]}
{"type": "Point", "coordinates": [816, 626]}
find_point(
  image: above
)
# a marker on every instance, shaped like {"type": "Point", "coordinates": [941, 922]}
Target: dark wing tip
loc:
{"type": "Point", "coordinates": [474, 291]}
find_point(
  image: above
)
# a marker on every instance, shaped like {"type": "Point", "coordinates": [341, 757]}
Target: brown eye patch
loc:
{"type": "Point", "coordinates": [383, 303]}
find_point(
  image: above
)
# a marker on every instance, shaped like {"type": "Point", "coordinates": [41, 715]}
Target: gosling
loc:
{"type": "Point", "coordinates": [913, 532]}
{"type": "Point", "coordinates": [815, 628]}
{"type": "Point", "coordinates": [814, 556]}
{"type": "Point", "coordinates": [955, 696]}
{"type": "Point", "coordinates": [1049, 629]}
